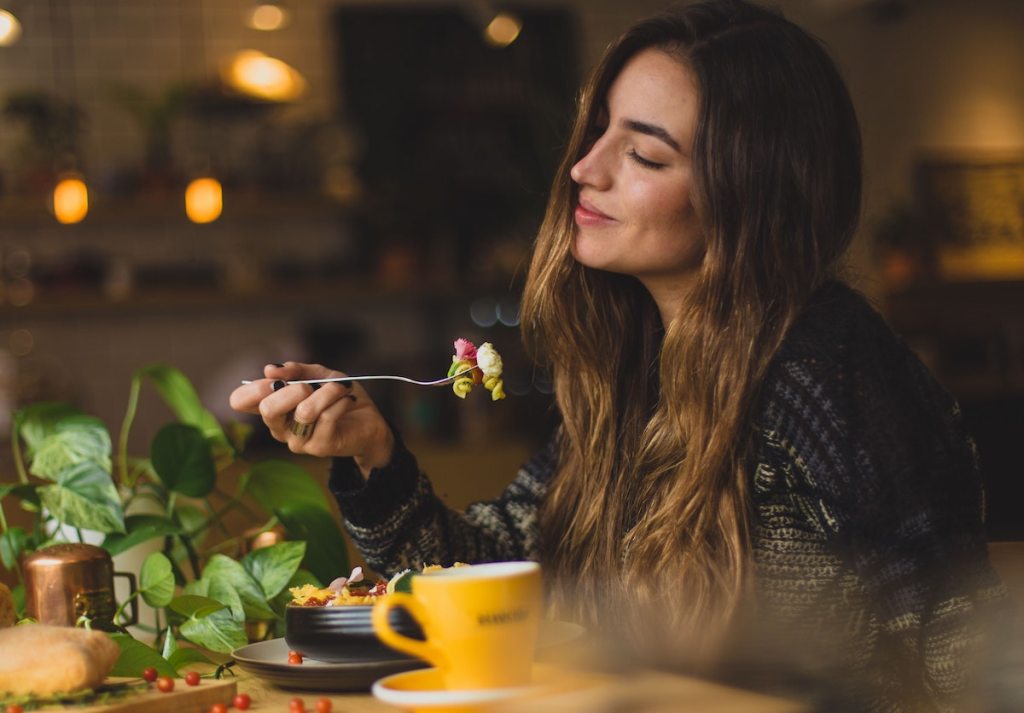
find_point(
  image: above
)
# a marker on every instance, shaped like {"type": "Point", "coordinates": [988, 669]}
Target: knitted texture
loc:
{"type": "Point", "coordinates": [869, 555]}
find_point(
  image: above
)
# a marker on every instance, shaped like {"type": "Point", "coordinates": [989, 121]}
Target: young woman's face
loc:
{"type": "Point", "coordinates": [634, 215]}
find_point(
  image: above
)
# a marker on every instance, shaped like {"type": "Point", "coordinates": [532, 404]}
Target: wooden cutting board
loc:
{"type": "Point", "coordinates": [183, 699]}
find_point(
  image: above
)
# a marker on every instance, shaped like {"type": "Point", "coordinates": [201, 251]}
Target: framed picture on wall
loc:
{"type": "Point", "coordinates": [972, 203]}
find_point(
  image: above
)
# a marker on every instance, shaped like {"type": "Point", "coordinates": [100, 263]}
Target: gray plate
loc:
{"type": "Point", "coordinates": [269, 661]}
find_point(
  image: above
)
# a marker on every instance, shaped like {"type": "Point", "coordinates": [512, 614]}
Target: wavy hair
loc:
{"type": "Point", "coordinates": [649, 509]}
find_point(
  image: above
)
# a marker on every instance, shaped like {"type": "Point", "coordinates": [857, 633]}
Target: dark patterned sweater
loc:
{"type": "Point", "coordinates": [868, 548]}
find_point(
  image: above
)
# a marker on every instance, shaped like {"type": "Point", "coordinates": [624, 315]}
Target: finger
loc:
{"type": "Point", "coordinates": [296, 371]}
{"type": "Point", "coordinates": [276, 408]}
{"type": "Point", "coordinates": [247, 397]}
{"type": "Point", "coordinates": [331, 437]}
{"type": "Point", "coordinates": [319, 400]}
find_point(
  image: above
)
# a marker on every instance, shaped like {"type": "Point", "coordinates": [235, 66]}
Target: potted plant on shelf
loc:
{"type": "Point", "coordinates": [210, 593]}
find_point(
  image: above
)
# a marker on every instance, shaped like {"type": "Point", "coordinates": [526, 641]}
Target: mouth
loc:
{"type": "Point", "coordinates": [586, 214]}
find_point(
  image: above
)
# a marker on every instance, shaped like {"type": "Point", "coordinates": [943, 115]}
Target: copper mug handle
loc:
{"type": "Point", "coordinates": [132, 590]}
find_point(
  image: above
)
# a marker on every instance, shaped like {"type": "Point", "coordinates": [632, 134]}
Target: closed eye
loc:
{"type": "Point", "coordinates": [646, 163]}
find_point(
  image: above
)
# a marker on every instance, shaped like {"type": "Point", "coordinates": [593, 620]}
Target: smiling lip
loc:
{"type": "Point", "coordinates": [587, 215]}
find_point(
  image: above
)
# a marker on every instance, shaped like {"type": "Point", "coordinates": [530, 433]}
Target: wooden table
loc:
{"type": "Point", "coordinates": [647, 692]}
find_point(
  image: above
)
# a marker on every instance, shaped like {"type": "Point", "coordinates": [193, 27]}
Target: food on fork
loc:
{"type": "Point", "coordinates": [486, 364]}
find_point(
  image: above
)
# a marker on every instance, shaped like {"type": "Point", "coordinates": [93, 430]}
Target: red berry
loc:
{"type": "Point", "coordinates": [296, 705]}
{"type": "Point", "coordinates": [323, 705]}
{"type": "Point", "coordinates": [219, 708]}
{"type": "Point", "coordinates": [149, 673]}
{"type": "Point", "coordinates": [294, 657]}
{"type": "Point", "coordinates": [13, 708]}
{"type": "Point", "coordinates": [192, 678]}
{"type": "Point", "coordinates": [165, 684]}
{"type": "Point", "coordinates": [242, 701]}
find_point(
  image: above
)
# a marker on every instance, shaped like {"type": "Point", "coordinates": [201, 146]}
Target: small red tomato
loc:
{"type": "Point", "coordinates": [323, 705]}
{"type": "Point", "coordinates": [192, 678]}
{"type": "Point", "coordinates": [294, 658]}
{"type": "Point", "coordinates": [149, 673]}
{"type": "Point", "coordinates": [165, 684]}
{"type": "Point", "coordinates": [242, 701]}
{"type": "Point", "coordinates": [219, 708]}
{"type": "Point", "coordinates": [13, 708]}
{"type": "Point", "coordinates": [296, 705]}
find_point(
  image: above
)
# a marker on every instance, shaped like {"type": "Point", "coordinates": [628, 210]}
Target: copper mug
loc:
{"type": "Point", "coordinates": [67, 581]}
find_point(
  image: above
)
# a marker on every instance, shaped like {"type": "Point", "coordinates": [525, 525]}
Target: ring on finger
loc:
{"type": "Point", "coordinates": [302, 430]}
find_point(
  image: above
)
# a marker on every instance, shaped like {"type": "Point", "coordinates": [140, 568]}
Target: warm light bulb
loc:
{"type": "Point", "coordinates": [503, 29]}
{"type": "Point", "coordinates": [268, 16]}
{"type": "Point", "coordinates": [204, 200]}
{"type": "Point", "coordinates": [257, 75]}
{"type": "Point", "coordinates": [70, 201]}
{"type": "Point", "coordinates": [10, 28]}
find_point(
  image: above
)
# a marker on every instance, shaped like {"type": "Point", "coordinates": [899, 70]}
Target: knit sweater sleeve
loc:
{"type": "Point", "coordinates": [884, 466]}
{"type": "Point", "coordinates": [396, 521]}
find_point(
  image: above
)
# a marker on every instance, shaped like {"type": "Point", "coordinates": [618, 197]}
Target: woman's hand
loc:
{"type": "Point", "coordinates": [336, 419]}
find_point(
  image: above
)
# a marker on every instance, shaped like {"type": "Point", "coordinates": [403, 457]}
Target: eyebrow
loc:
{"type": "Point", "coordinates": [657, 132]}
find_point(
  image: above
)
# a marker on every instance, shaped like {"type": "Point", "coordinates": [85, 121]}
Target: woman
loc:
{"type": "Point", "coordinates": [745, 448]}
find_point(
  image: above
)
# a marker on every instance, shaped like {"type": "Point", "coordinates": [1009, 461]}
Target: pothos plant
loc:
{"type": "Point", "coordinates": [203, 591]}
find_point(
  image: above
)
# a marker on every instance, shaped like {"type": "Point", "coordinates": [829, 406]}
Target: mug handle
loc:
{"type": "Point", "coordinates": [382, 627]}
{"type": "Point", "coordinates": [132, 589]}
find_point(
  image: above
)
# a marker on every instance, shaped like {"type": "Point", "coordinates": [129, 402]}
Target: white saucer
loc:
{"type": "Point", "coordinates": [423, 690]}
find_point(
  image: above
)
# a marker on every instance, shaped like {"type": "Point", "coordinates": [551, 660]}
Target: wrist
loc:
{"type": "Point", "coordinates": [378, 457]}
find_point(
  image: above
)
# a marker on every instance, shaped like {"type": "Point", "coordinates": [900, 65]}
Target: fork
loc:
{"type": "Point", "coordinates": [381, 377]}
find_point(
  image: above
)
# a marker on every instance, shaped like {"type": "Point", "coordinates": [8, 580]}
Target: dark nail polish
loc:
{"type": "Point", "coordinates": [279, 366]}
{"type": "Point", "coordinates": [316, 386]}
{"type": "Point", "coordinates": [352, 397]}
{"type": "Point", "coordinates": [346, 384]}
{"type": "Point", "coordinates": [277, 385]}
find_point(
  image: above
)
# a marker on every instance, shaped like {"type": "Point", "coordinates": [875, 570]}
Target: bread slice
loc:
{"type": "Point", "coordinates": [42, 660]}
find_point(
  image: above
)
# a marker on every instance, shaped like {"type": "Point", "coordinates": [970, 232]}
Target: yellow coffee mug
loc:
{"type": "Point", "coordinates": [481, 623]}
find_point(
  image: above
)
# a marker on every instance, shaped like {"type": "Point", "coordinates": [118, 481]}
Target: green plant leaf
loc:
{"type": "Point", "coordinates": [183, 459]}
{"type": "Point", "coordinates": [183, 657]}
{"type": "Point", "coordinates": [195, 606]}
{"type": "Point", "coordinates": [136, 656]}
{"type": "Point", "coordinates": [85, 497]}
{"type": "Point", "coordinates": [12, 544]}
{"type": "Point", "coordinates": [75, 439]}
{"type": "Point", "coordinates": [170, 646]}
{"type": "Point", "coordinates": [275, 484]}
{"type": "Point", "coordinates": [224, 573]}
{"type": "Point", "coordinates": [273, 566]}
{"type": "Point", "coordinates": [156, 580]}
{"type": "Point", "coordinates": [326, 549]}
{"type": "Point", "coordinates": [179, 394]}
{"type": "Point", "coordinates": [37, 421]}
{"type": "Point", "coordinates": [140, 528]}
{"type": "Point", "coordinates": [222, 591]}
{"type": "Point", "coordinates": [217, 632]}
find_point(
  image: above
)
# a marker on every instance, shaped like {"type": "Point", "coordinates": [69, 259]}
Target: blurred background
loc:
{"type": "Point", "coordinates": [219, 184]}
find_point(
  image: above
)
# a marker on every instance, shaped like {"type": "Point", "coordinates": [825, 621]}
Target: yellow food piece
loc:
{"type": "Point", "coordinates": [496, 386]}
{"type": "Point", "coordinates": [462, 386]}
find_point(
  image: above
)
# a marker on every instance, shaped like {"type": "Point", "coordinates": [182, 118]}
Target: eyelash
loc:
{"type": "Point", "coordinates": [644, 162]}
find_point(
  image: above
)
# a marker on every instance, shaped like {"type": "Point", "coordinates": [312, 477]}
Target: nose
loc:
{"type": "Point", "coordinates": [590, 170]}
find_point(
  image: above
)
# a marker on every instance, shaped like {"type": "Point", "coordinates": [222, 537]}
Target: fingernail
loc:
{"type": "Point", "coordinates": [279, 366]}
{"type": "Point", "coordinates": [351, 396]}
{"type": "Point", "coordinates": [277, 385]}
{"type": "Point", "coordinates": [346, 384]}
{"type": "Point", "coordinates": [316, 386]}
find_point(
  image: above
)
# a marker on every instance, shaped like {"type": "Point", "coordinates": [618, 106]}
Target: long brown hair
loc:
{"type": "Point", "coordinates": [649, 509]}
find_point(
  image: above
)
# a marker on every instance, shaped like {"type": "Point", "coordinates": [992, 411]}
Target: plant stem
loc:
{"type": "Point", "coordinates": [126, 425]}
{"type": "Point", "coordinates": [125, 603]}
{"type": "Point", "coordinates": [81, 537]}
{"type": "Point", "coordinates": [19, 463]}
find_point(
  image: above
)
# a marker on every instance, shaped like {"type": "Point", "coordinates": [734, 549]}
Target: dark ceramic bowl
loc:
{"type": "Point", "coordinates": [344, 633]}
